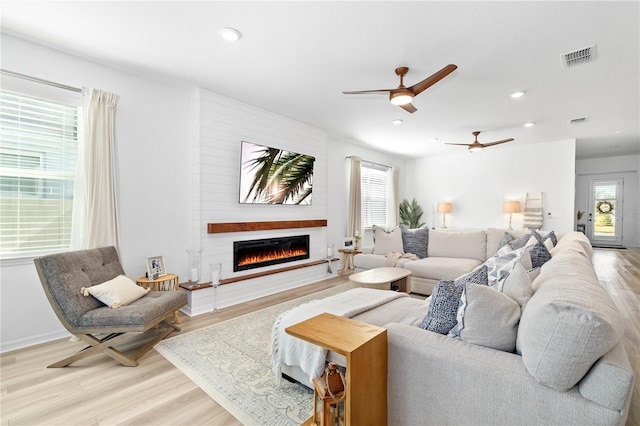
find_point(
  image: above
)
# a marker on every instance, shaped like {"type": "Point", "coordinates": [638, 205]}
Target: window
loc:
{"type": "Point", "coordinates": [375, 182]}
{"type": "Point", "coordinates": [39, 138]}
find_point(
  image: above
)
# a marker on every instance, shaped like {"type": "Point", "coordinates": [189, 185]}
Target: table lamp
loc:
{"type": "Point", "coordinates": [511, 207]}
{"type": "Point", "coordinates": [444, 208]}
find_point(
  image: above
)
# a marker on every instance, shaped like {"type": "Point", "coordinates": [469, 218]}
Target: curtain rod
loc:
{"type": "Point", "coordinates": [348, 157]}
{"type": "Point", "coordinates": [39, 80]}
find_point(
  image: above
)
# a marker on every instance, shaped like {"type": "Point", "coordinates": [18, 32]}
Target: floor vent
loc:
{"type": "Point", "coordinates": [579, 57]}
{"type": "Point", "coordinates": [578, 120]}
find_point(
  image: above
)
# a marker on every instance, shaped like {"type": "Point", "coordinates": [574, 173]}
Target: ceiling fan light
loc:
{"type": "Point", "coordinates": [230, 34]}
{"type": "Point", "coordinates": [401, 98]}
{"type": "Point", "coordinates": [475, 148]}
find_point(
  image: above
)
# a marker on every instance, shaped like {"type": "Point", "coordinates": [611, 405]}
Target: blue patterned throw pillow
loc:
{"type": "Point", "coordinates": [441, 317]}
{"type": "Point", "coordinates": [539, 254]}
{"type": "Point", "coordinates": [506, 239]}
{"type": "Point", "coordinates": [443, 308]}
{"type": "Point", "coordinates": [415, 241]}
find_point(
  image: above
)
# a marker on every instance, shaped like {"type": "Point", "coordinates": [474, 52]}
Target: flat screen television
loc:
{"type": "Point", "coordinates": [274, 176]}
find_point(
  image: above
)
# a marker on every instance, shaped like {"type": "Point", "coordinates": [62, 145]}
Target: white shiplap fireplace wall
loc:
{"type": "Point", "coordinates": [219, 124]}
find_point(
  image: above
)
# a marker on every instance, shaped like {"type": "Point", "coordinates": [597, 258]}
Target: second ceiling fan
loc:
{"type": "Point", "coordinates": [401, 95]}
{"type": "Point", "coordinates": [477, 146]}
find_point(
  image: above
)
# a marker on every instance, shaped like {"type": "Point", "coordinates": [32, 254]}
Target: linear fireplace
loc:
{"type": "Point", "coordinates": [269, 251]}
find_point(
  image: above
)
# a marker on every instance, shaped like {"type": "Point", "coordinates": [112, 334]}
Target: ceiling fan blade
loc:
{"type": "Point", "coordinates": [461, 144]}
{"type": "Point", "coordinates": [358, 92]}
{"type": "Point", "coordinates": [497, 142]}
{"type": "Point", "coordinates": [408, 107]}
{"type": "Point", "coordinates": [433, 79]}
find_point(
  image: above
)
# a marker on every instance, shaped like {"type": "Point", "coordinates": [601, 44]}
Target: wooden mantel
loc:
{"type": "Point", "coordinates": [218, 228]}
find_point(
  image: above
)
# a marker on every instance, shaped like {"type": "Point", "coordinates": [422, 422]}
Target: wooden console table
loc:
{"type": "Point", "coordinates": [365, 347]}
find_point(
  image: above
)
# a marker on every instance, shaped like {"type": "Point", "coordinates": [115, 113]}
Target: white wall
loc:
{"type": "Point", "coordinates": [626, 167]}
{"type": "Point", "coordinates": [178, 169]}
{"type": "Point", "coordinates": [478, 183]}
{"type": "Point", "coordinates": [153, 168]}
{"type": "Point", "coordinates": [220, 125]}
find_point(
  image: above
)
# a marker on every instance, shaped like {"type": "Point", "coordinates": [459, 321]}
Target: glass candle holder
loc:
{"type": "Point", "coordinates": [193, 256]}
{"type": "Point", "coordinates": [216, 273]}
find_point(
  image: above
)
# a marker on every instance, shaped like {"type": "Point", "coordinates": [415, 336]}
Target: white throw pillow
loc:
{"type": "Point", "coordinates": [517, 285]}
{"type": "Point", "coordinates": [487, 317]}
{"type": "Point", "coordinates": [387, 241]}
{"type": "Point", "coordinates": [117, 292]}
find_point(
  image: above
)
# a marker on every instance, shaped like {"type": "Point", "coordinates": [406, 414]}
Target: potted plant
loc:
{"type": "Point", "coordinates": [410, 214]}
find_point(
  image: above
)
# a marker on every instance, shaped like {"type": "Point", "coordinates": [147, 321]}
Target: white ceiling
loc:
{"type": "Point", "coordinates": [296, 58]}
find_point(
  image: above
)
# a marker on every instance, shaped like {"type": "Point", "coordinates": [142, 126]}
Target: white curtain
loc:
{"type": "Point", "coordinates": [355, 198]}
{"type": "Point", "coordinates": [393, 204]}
{"type": "Point", "coordinates": [99, 131]}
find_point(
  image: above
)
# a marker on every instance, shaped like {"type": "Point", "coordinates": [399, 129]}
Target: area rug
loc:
{"type": "Point", "coordinates": [230, 361]}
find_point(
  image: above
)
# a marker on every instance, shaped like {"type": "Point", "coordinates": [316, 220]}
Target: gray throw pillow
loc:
{"type": "Point", "coordinates": [539, 254]}
{"type": "Point", "coordinates": [415, 241]}
{"type": "Point", "coordinates": [487, 317]}
{"type": "Point", "coordinates": [506, 239]}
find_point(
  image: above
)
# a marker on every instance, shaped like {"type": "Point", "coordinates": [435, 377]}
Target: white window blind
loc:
{"type": "Point", "coordinates": [39, 139]}
{"type": "Point", "coordinates": [375, 186]}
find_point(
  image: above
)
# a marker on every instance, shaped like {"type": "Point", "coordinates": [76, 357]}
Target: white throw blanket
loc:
{"type": "Point", "coordinates": [289, 350]}
{"type": "Point", "coordinates": [394, 256]}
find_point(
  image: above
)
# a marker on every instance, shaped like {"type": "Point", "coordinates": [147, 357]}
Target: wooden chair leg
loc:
{"type": "Point", "coordinates": [105, 345]}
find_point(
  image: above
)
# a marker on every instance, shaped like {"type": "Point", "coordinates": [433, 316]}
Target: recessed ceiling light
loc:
{"type": "Point", "coordinates": [397, 122]}
{"type": "Point", "coordinates": [519, 94]}
{"type": "Point", "coordinates": [230, 34]}
{"type": "Point", "coordinates": [530, 124]}
{"type": "Point", "coordinates": [617, 132]}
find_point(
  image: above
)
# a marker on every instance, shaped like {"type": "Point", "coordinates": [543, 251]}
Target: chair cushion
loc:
{"type": "Point", "coordinates": [137, 316]}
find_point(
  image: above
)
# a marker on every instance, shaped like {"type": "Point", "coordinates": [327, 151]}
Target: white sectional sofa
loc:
{"type": "Point", "coordinates": [450, 254]}
{"type": "Point", "coordinates": [567, 365]}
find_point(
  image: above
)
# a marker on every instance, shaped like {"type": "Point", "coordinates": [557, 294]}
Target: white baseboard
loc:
{"type": "Point", "coordinates": [14, 345]}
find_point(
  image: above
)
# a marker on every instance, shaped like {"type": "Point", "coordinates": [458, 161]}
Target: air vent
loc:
{"type": "Point", "coordinates": [579, 57]}
{"type": "Point", "coordinates": [578, 120]}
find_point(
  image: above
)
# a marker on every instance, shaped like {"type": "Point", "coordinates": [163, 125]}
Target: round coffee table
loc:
{"type": "Point", "coordinates": [382, 278]}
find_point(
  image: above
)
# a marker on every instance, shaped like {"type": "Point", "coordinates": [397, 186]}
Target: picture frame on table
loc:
{"type": "Point", "coordinates": [348, 243]}
{"type": "Point", "coordinates": [155, 267]}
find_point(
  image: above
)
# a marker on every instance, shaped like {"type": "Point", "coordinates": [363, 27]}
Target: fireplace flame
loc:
{"type": "Point", "coordinates": [271, 255]}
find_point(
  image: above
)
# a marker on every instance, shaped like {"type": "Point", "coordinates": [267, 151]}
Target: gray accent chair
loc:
{"type": "Point", "coordinates": [63, 275]}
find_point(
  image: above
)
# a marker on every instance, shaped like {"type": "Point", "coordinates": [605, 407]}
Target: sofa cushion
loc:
{"type": "Point", "coordinates": [441, 268]}
{"type": "Point", "coordinates": [487, 317]}
{"type": "Point", "coordinates": [386, 241]}
{"type": "Point", "coordinates": [415, 241]}
{"type": "Point", "coordinates": [371, 261]}
{"type": "Point", "coordinates": [568, 324]}
{"type": "Point", "coordinates": [460, 244]}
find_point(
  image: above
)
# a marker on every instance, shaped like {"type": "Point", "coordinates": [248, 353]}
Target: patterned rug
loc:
{"type": "Point", "coordinates": [230, 361]}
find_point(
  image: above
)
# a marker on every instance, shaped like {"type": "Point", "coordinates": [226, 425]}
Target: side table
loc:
{"type": "Point", "coordinates": [168, 282]}
{"type": "Point", "coordinates": [365, 348]}
{"type": "Point", "coordinates": [347, 259]}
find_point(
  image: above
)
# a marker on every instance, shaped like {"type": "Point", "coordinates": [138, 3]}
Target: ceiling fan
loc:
{"type": "Point", "coordinates": [402, 96]}
{"type": "Point", "coordinates": [477, 146]}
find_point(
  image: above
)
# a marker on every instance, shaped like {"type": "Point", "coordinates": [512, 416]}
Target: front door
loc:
{"type": "Point", "coordinates": [604, 218]}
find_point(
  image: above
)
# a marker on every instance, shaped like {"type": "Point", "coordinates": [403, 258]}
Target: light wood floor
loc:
{"type": "Point", "coordinates": [98, 391]}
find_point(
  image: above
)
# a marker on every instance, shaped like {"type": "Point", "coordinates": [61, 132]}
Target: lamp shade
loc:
{"type": "Point", "coordinates": [444, 207]}
{"type": "Point", "coordinates": [511, 207]}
